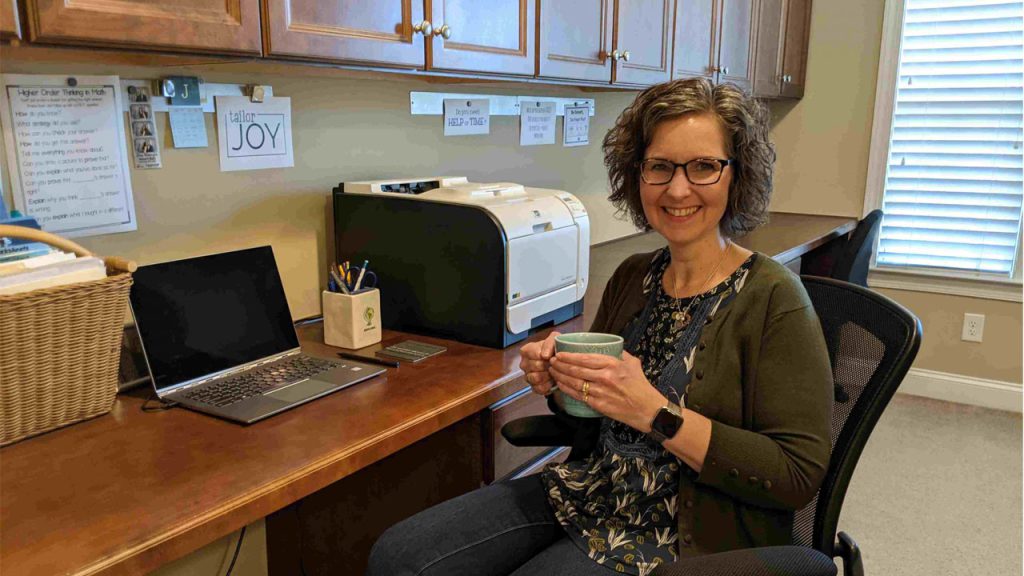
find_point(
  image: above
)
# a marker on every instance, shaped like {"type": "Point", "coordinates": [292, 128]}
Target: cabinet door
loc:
{"type": "Point", "coordinates": [496, 36]}
{"type": "Point", "coordinates": [768, 54]}
{"type": "Point", "coordinates": [643, 29]}
{"type": "Point", "coordinates": [224, 26]}
{"type": "Point", "coordinates": [9, 27]}
{"type": "Point", "coordinates": [794, 48]}
{"type": "Point", "coordinates": [576, 39]}
{"type": "Point", "coordinates": [694, 52]}
{"type": "Point", "coordinates": [378, 32]}
{"type": "Point", "coordinates": [735, 61]}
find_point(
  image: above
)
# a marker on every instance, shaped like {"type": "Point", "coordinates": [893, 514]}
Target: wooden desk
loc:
{"type": "Point", "coordinates": [129, 491]}
{"type": "Point", "coordinates": [788, 236]}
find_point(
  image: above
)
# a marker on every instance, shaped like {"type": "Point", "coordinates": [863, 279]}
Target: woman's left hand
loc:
{"type": "Point", "coordinates": [617, 388]}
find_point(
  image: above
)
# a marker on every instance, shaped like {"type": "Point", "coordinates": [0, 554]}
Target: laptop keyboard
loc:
{"type": "Point", "coordinates": [257, 381]}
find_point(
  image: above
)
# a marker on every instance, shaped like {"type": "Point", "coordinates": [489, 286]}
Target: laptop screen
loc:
{"type": "Point", "coordinates": [202, 315]}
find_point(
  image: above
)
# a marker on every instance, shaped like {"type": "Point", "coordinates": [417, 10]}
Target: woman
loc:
{"type": "Point", "coordinates": [716, 419]}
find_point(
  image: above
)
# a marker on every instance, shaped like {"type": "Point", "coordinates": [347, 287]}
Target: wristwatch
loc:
{"type": "Point", "coordinates": [666, 423]}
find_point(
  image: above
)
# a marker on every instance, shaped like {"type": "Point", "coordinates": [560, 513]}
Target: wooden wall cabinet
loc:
{"type": "Point", "coordinates": [10, 27]}
{"type": "Point", "coordinates": [642, 50]}
{"type": "Point", "coordinates": [695, 53]}
{"type": "Point", "coordinates": [385, 32]}
{"type": "Point", "coordinates": [224, 26]}
{"type": "Point", "coordinates": [714, 39]}
{"type": "Point", "coordinates": [495, 36]}
{"type": "Point", "coordinates": [492, 36]}
{"type": "Point", "coordinates": [624, 42]}
{"type": "Point", "coordinates": [576, 40]}
{"type": "Point", "coordinates": [781, 54]}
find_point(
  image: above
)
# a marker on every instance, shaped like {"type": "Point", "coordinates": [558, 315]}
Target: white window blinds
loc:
{"type": "Point", "coordinates": [954, 180]}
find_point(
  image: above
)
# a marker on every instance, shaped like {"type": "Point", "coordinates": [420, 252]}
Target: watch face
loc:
{"type": "Point", "coordinates": [667, 423]}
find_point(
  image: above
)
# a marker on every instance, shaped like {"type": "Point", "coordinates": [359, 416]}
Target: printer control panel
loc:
{"type": "Point", "coordinates": [575, 206]}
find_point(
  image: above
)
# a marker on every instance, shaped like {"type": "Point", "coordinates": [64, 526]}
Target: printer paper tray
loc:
{"type": "Point", "coordinates": [520, 316]}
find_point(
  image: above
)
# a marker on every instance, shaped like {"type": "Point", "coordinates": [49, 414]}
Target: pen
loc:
{"type": "Point", "coordinates": [369, 359]}
{"type": "Point", "coordinates": [338, 281]}
{"type": "Point", "coordinates": [362, 271]}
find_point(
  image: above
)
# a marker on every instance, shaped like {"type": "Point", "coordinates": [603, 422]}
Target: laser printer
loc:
{"type": "Point", "coordinates": [479, 263]}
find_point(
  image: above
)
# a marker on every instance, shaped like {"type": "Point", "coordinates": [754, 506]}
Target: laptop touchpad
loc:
{"type": "Point", "coordinates": [300, 391]}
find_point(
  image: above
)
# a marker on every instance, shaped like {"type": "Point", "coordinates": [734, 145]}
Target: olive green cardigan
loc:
{"type": "Point", "coordinates": [761, 373]}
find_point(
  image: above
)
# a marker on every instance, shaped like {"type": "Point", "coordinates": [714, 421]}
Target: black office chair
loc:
{"type": "Point", "coordinates": [872, 342]}
{"type": "Point", "coordinates": [846, 260]}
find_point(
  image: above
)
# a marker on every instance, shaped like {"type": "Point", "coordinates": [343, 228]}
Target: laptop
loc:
{"type": "Point", "coordinates": [218, 337]}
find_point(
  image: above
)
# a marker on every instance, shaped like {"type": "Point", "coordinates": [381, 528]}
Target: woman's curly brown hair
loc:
{"type": "Point", "coordinates": [746, 124]}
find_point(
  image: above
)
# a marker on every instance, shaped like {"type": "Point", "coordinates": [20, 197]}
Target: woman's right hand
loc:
{"type": "Point", "coordinates": [535, 362]}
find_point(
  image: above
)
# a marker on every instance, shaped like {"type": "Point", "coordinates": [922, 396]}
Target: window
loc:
{"type": "Point", "coordinates": [949, 115]}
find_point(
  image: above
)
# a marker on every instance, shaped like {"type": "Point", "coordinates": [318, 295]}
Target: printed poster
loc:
{"type": "Point", "coordinates": [66, 146]}
{"type": "Point", "coordinates": [254, 135]}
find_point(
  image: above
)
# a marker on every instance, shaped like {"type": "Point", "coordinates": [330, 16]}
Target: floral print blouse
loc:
{"type": "Point", "coordinates": [619, 504]}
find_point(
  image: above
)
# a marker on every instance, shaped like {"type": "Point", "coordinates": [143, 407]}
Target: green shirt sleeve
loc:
{"type": "Point", "coordinates": [781, 461]}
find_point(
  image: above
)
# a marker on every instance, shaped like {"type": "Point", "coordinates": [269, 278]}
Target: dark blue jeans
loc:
{"type": "Point", "coordinates": [506, 529]}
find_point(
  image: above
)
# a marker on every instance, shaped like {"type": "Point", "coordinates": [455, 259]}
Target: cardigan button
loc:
{"type": "Point", "coordinates": [700, 374]}
{"type": "Point", "coordinates": [688, 539]}
{"type": "Point", "coordinates": [753, 479]}
{"type": "Point", "coordinates": [734, 473]}
{"type": "Point", "coordinates": [688, 503]}
{"type": "Point", "coordinates": [702, 345]}
{"type": "Point", "coordinates": [767, 484]}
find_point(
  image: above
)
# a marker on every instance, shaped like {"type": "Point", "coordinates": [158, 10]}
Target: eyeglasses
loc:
{"type": "Point", "coordinates": [699, 171]}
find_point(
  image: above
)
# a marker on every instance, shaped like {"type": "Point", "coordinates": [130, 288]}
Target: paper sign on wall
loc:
{"type": "Point", "coordinates": [254, 135]}
{"type": "Point", "coordinates": [465, 117]}
{"type": "Point", "coordinates": [188, 127]}
{"type": "Point", "coordinates": [576, 126]}
{"type": "Point", "coordinates": [536, 123]}
{"type": "Point", "coordinates": [67, 152]}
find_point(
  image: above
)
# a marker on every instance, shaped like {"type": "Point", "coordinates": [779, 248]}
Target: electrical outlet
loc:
{"type": "Point", "coordinates": [974, 328]}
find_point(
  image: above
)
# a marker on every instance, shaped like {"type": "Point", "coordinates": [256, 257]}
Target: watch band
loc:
{"type": "Point", "coordinates": [666, 423]}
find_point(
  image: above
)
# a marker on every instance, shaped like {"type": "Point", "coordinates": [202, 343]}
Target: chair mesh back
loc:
{"type": "Point", "coordinates": [871, 343]}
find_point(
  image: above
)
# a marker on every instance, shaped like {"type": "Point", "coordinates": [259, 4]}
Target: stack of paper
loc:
{"type": "Point", "coordinates": [68, 271]}
{"type": "Point", "coordinates": [18, 266]}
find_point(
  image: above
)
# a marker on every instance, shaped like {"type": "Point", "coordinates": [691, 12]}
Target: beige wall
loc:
{"type": "Point", "coordinates": [822, 141]}
{"type": "Point", "coordinates": [997, 358]}
{"type": "Point", "coordinates": [344, 129]}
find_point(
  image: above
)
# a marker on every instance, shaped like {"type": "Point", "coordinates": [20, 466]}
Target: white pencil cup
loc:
{"type": "Point", "coordinates": [352, 320]}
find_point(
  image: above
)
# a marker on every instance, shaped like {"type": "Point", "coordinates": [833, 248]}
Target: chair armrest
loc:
{"type": "Point", "coordinates": [766, 561]}
{"type": "Point", "coordinates": [847, 549]}
{"type": "Point", "coordinates": [547, 430]}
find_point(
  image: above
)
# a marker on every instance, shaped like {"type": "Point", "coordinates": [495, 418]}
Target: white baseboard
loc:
{"type": "Point", "coordinates": [963, 389]}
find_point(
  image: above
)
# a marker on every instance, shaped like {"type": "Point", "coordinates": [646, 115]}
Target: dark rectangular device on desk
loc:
{"type": "Point", "coordinates": [218, 337]}
{"type": "Point", "coordinates": [483, 264]}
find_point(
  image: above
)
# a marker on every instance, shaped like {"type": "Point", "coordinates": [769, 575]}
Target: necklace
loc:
{"type": "Point", "coordinates": [682, 317]}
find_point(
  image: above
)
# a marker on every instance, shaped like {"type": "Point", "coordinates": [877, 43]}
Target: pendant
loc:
{"type": "Point", "coordinates": [682, 319]}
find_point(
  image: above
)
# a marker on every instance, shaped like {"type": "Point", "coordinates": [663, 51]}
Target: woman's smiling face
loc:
{"type": "Point", "coordinates": [684, 213]}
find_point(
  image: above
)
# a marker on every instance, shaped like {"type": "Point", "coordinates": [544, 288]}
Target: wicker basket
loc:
{"type": "Point", "coordinates": [60, 346]}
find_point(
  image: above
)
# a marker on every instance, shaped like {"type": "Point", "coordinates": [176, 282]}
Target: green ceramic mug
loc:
{"type": "Point", "coordinates": [585, 343]}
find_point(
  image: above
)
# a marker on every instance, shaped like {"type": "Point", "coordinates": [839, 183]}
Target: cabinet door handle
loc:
{"type": "Point", "coordinates": [788, 78]}
{"type": "Point", "coordinates": [615, 55]}
{"type": "Point", "coordinates": [725, 70]}
{"type": "Point", "coordinates": [423, 28]}
{"type": "Point", "coordinates": [625, 55]}
{"type": "Point", "coordinates": [444, 31]}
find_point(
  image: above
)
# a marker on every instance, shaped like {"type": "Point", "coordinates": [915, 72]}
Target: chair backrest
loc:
{"type": "Point", "coordinates": [871, 342]}
{"type": "Point", "coordinates": [852, 263]}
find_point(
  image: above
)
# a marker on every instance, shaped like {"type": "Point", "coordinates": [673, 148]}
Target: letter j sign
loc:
{"type": "Point", "coordinates": [254, 135]}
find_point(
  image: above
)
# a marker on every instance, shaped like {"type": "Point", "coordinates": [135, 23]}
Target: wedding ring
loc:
{"type": "Point", "coordinates": [586, 391]}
